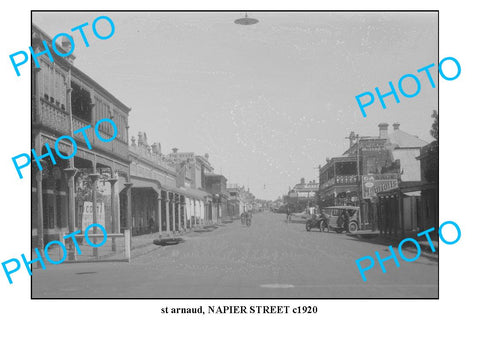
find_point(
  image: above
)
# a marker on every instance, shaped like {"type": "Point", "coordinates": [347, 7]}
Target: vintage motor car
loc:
{"type": "Point", "coordinates": [315, 221]}
{"type": "Point", "coordinates": [337, 218]}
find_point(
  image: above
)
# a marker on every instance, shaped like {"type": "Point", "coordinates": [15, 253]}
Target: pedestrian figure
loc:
{"type": "Point", "coordinates": [151, 224]}
{"type": "Point", "coordinates": [248, 218]}
{"type": "Point", "coordinates": [288, 214]}
{"type": "Point", "coordinates": [345, 219]}
{"type": "Point", "coordinates": [322, 215]}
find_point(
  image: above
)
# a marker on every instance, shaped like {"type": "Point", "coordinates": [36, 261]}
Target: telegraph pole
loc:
{"type": "Point", "coordinates": [360, 192]}
{"type": "Point", "coordinates": [359, 179]}
{"type": "Point", "coordinates": [70, 172]}
{"type": "Point", "coordinates": [318, 191]}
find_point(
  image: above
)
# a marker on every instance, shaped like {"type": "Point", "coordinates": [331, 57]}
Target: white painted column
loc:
{"type": "Point", "coordinates": [194, 213]}
{"type": "Point", "coordinates": [159, 213]}
{"type": "Point", "coordinates": [191, 213]}
{"type": "Point", "coordinates": [185, 213]}
{"type": "Point", "coordinates": [179, 213]}
{"type": "Point", "coordinates": [167, 213]}
{"type": "Point", "coordinates": [173, 213]}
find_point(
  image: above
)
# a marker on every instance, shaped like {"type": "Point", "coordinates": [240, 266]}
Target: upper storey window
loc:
{"type": "Point", "coordinates": [81, 102]}
{"type": "Point", "coordinates": [53, 86]}
{"type": "Point", "coordinates": [102, 110]}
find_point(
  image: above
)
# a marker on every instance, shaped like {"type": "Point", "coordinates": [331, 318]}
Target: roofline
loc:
{"type": "Point", "coordinates": [78, 72]}
{"type": "Point", "coordinates": [146, 161]}
{"type": "Point", "coordinates": [364, 138]}
{"type": "Point", "coordinates": [353, 207]}
{"type": "Point", "coordinates": [204, 161]}
{"type": "Point", "coordinates": [215, 175]}
{"type": "Point", "coordinates": [396, 147]}
{"type": "Point", "coordinates": [341, 158]}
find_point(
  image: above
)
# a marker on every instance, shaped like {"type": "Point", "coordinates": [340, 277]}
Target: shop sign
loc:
{"type": "Point", "coordinates": [372, 145]}
{"type": "Point", "coordinates": [373, 184]}
{"type": "Point", "coordinates": [87, 214]}
{"type": "Point", "coordinates": [305, 194]}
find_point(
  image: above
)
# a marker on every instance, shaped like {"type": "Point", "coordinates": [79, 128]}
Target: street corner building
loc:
{"type": "Point", "coordinates": [392, 177]}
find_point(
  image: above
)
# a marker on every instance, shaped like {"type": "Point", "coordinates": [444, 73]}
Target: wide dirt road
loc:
{"type": "Point", "coordinates": [270, 259]}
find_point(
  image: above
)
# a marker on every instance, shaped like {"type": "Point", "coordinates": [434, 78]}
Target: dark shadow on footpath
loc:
{"type": "Point", "coordinates": [392, 240]}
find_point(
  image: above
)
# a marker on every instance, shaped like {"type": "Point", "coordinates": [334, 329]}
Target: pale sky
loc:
{"type": "Point", "coordinates": [267, 102]}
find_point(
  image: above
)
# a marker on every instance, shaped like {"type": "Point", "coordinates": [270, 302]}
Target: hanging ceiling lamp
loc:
{"type": "Point", "coordinates": [246, 20]}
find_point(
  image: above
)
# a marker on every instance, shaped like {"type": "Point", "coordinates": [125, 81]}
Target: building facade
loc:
{"type": "Point", "coordinates": [429, 163]}
{"type": "Point", "coordinates": [369, 167]}
{"type": "Point", "coordinates": [302, 195]}
{"type": "Point", "coordinates": [162, 197]}
{"type": "Point", "coordinates": [92, 175]}
{"type": "Point", "coordinates": [69, 194]}
{"type": "Point", "coordinates": [192, 170]}
{"type": "Point", "coordinates": [240, 200]}
{"type": "Point", "coordinates": [216, 185]}
{"type": "Point", "coordinates": [400, 207]}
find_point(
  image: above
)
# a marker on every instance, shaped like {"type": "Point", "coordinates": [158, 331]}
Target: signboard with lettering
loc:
{"type": "Point", "coordinates": [373, 184]}
{"type": "Point", "coordinates": [87, 214]}
{"type": "Point", "coordinates": [372, 145]}
{"type": "Point", "coordinates": [306, 194]}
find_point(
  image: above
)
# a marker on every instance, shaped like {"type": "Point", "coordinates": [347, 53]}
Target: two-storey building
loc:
{"type": "Point", "coordinates": [216, 185]}
{"type": "Point", "coordinates": [370, 166]}
{"type": "Point", "coordinates": [302, 195]}
{"type": "Point", "coordinates": [162, 197]}
{"type": "Point", "coordinates": [236, 202]}
{"type": "Point", "coordinates": [192, 169]}
{"type": "Point", "coordinates": [65, 101]}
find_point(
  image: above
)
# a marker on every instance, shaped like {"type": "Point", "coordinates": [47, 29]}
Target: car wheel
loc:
{"type": "Point", "coordinates": [352, 227]}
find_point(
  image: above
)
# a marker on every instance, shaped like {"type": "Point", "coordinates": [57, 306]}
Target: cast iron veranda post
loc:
{"type": "Point", "coordinates": [94, 177]}
{"type": "Point", "coordinates": [115, 228]}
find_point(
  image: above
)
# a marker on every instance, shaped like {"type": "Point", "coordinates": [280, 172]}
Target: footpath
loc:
{"type": "Point", "coordinates": [394, 240]}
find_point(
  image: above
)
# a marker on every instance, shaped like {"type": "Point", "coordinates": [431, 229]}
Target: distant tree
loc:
{"type": "Point", "coordinates": [434, 129]}
{"type": "Point", "coordinates": [432, 163]}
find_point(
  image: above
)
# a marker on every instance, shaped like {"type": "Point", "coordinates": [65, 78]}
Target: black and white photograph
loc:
{"type": "Point", "coordinates": [235, 154]}
{"type": "Point", "coordinates": [239, 170]}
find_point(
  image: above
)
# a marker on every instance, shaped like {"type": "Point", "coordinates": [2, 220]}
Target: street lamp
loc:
{"type": "Point", "coordinates": [246, 20]}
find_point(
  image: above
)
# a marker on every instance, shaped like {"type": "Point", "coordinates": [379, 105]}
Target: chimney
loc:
{"type": "Point", "coordinates": [145, 138]}
{"type": "Point", "coordinates": [383, 130]}
{"type": "Point", "coordinates": [66, 44]}
{"type": "Point", "coordinates": [154, 148]}
{"type": "Point", "coordinates": [302, 180]}
{"type": "Point", "coordinates": [174, 150]}
{"type": "Point", "coordinates": [396, 126]}
{"type": "Point", "coordinates": [206, 156]}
